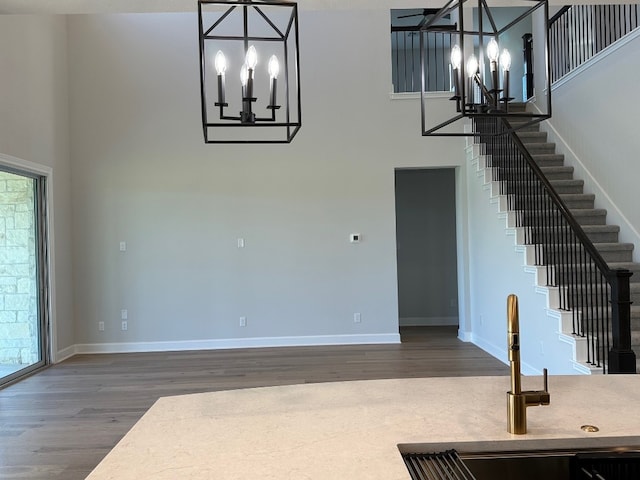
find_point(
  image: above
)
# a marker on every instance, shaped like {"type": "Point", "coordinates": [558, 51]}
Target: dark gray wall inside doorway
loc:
{"type": "Point", "coordinates": [426, 246]}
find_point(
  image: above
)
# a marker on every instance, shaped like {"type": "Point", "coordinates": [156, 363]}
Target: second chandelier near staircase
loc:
{"type": "Point", "coordinates": [486, 68]}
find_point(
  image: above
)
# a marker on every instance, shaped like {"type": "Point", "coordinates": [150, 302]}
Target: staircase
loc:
{"type": "Point", "coordinates": [592, 220]}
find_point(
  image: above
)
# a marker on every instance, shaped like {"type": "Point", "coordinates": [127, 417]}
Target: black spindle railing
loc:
{"type": "Point", "coordinates": [577, 33]}
{"type": "Point", "coordinates": [597, 296]}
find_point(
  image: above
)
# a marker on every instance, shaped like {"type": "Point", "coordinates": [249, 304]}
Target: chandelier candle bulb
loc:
{"type": "Point", "coordinates": [492, 53]}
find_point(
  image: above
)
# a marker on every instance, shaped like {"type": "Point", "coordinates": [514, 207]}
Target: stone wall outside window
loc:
{"type": "Point", "coordinates": [19, 331]}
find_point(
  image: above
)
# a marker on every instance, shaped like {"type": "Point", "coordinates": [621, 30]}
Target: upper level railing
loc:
{"type": "Point", "coordinates": [577, 33]}
{"type": "Point", "coordinates": [597, 297]}
{"type": "Point", "coordinates": [405, 60]}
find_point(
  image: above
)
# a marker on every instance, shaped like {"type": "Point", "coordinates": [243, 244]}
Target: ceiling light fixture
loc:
{"type": "Point", "coordinates": [479, 90]}
{"type": "Point", "coordinates": [236, 37]}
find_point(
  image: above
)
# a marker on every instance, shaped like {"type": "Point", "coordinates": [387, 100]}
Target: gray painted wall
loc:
{"type": "Point", "coordinates": [142, 174]}
{"type": "Point", "coordinates": [34, 127]}
{"type": "Point", "coordinates": [130, 165]}
{"type": "Point", "coordinates": [426, 244]}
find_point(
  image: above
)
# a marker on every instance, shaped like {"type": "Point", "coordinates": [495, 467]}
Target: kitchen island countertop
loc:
{"type": "Point", "coordinates": [351, 430]}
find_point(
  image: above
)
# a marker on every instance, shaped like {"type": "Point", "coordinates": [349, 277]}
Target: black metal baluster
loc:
{"type": "Point", "coordinates": [413, 62]}
{"type": "Point", "coordinates": [404, 49]}
{"type": "Point", "coordinates": [593, 302]}
{"type": "Point", "coordinates": [397, 55]}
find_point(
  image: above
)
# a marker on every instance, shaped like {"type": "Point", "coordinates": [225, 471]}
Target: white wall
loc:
{"type": "Point", "coordinates": [34, 129]}
{"type": "Point", "coordinates": [497, 269]}
{"type": "Point", "coordinates": [142, 174]}
{"type": "Point", "coordinates": [594, 124]}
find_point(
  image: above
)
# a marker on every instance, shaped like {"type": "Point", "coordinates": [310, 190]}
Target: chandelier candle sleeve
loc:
{"type": "Point", "coordinates": [472, 70]}
{"type": "Point", "coordinates": [246, 104]}
{"type": "Point", "coordinates": [221, 66]}
{"type": "Point", "coordinates": [492, 53]}
{"type": "Point", "coordinates": [274, 69]}
{"type": "Point", "coordinates": [505, 61]}
{"type": "Point", "coordinates": [251, 61]}
{"type": "Point", "coordinates": [456, 60]}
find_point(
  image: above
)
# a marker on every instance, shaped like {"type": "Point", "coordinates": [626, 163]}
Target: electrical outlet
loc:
{"type": "Point", "coordinates": [125, 325]}
{"type": "Point", "coordinates": [241, 243]}
{"type": "Point", "coordinates": [123, 246]}
{"type": "Point", "coordinates": [124, 314]}
{"type": "Point", "coordinates": [357, 318]}
{"type": "Point", "coordinates": [243, 321]}
{"type": "Point", "coordinates": [101, 326]}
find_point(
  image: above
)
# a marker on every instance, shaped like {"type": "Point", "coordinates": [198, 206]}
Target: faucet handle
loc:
{"type": "Point", "coordinates": [538, 397]}
{"type": "Point", "coordinates": [545, 396]}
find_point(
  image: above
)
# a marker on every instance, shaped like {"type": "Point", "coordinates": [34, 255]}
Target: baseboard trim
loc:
{"type": "Point", "coordinates": [428, 321]}
{"type": "Point", "coordinates": [501, 354]}
{"type": "Point", "coordinates": [229, 343]}
{"type": "Point", "coordinates": [465, 336]}
{"type": "Point", "coordinates": [64, 354]}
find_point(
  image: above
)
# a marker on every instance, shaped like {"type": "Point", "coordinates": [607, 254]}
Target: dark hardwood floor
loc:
{"type": "Point", "coordinates": [61, 422]}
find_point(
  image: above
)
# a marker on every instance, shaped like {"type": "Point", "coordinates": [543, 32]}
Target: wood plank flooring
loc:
{"type": "Point", "coordinates": [61, 422]}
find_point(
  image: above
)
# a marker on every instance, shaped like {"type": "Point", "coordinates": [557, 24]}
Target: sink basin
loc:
{"type": "Point", "coordinates": [613, 459]}
{"type": "Point", "coordinates": [556, 464]}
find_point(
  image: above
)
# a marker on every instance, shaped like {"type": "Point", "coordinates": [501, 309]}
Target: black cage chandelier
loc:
{"type": "Point", "coordinates": [482, 61]}
{"type": "Point", "coordinates": [249, 71]}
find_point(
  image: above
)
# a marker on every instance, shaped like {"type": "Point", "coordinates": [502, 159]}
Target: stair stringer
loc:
{"type": "Point", "coordinates": [563, 318]}
{"type": "Point", "coordinates": [555, 320]}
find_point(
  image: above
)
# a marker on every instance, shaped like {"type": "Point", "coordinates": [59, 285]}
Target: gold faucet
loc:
{"type": "Point", "coordinates": [517, 400]}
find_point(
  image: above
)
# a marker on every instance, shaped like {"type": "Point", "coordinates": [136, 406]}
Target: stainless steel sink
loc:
{"type": "Point", "coordinates": [577, 464]}
{"type": "Point", "coordinates": [585, 459]}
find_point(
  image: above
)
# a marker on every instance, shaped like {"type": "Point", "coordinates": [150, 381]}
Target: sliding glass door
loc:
{"type": "Point", "coordinates": [23, 319]}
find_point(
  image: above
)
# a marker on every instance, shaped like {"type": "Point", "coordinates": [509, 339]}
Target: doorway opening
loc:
{"type": "Point", "coordinates": [426, 250]}
{"type": "Point", "coordinates": [23, 275]}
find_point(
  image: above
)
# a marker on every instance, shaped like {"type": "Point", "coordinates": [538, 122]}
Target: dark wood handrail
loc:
{"type": "Point", "coordinates": [558, 14]}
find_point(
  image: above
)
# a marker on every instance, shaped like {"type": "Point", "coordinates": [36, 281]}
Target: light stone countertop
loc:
{"type": "Point", "coordinates": [351, 430]}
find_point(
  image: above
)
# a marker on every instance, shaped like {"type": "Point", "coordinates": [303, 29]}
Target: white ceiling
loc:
{"type": "Point", "coordinates": [142, 6]}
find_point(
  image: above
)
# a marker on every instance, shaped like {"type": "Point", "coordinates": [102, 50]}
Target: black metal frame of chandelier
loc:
{"type": "Point", "coordinates": [292, 128]}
